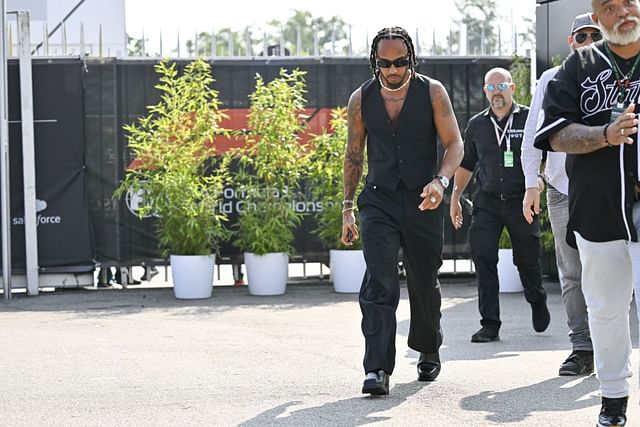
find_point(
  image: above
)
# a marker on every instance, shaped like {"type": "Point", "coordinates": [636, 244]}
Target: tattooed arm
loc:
{"type": "Point", "coordinates": [353, 164]}
{"type": "Point", "coordinates": [449, 134]}
{"type": "Point", "coordinates": [582, 139]}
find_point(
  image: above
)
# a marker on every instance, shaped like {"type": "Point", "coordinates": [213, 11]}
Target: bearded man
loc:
{"type": "Point", "coordinates": [590, 113]}
{"type": "Point", "coordinates": [492, 143]}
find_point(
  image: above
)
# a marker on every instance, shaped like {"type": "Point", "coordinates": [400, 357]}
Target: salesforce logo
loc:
{"type": "Point", "coordinates": [135, 202]}
{"type": "Point", "coordinates": [41, 219]}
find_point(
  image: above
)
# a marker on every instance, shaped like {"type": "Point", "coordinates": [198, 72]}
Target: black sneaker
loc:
{"type": "Point", "coordinates": [540, 316]}
{"type": "Point", "coordinates": [613, 412]}
{"type": "Point", "coordinates": [579, 362]}
{"type": "Point", "coordinates": [377, 386]}
{"type": "Point", "coordinates": [485, 335]}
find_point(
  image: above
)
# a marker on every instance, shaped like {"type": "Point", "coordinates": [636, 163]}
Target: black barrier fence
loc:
{"type": "Point", "coordinates": [64, 232]}
{"type": "Point", "coordinates": [93, 99]}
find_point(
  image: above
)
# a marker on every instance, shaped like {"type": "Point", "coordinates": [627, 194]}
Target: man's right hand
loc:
{"type": "Point", "coordinates": [455, 212]}
{"type": "Point", "coordinates": [349, 228]}
{"type": "Point", "coordinates": [531, 204]}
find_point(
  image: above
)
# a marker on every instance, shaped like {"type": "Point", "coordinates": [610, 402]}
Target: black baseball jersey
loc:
{"type": "Point", "coordinates": [601, 183]}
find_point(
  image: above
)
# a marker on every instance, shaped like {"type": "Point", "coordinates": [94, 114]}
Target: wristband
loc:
{"type": "Point", "coordinates": [347, 201]}
{"type": "Point", "coordinates": [605, 134]}
{"type": "Point", "coordinates": [347, 210]}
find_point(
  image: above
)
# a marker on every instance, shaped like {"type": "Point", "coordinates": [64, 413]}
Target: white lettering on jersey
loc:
{"type": "Point", "coordinates": [599, 96]}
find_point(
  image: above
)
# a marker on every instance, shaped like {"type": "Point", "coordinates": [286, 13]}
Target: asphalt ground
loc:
{"type": "Point", "coordinates": [140, 357]}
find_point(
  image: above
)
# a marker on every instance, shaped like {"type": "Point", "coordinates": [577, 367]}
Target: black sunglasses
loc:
{"type": "Point", "coordinates": [398, 63]}
{"type": "Point", "coordinates": [582, 37]}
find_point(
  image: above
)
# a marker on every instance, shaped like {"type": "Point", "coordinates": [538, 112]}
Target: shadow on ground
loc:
{"type": "Point", "coordinates": [354, 411]}
{"type": "Point", "coordinates": [513, 406]}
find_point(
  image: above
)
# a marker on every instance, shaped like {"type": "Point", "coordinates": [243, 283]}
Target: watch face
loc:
{"type": "Point", "coordinates": [444, 180]}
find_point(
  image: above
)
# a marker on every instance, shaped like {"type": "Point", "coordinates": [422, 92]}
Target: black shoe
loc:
{"type": "Point", "coordinates": [613, 412]}
{"type": "Point", "coordinates": [428, 366]}
{"type": "Point", "coordinates": [540, 316]}
{"type": "Point", "coordinates": [579, 362]}
{"type": "Point", "coordinates": [485, 335]}
{"type": "Point", "coordinates": [130, 281]}
{"type": "Point", "coordinates": [377, 386]}
{"type": "Point", "coordinates": [153, 271]}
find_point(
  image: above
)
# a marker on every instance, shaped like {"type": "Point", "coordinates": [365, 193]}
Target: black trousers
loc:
{"type": "Point", "coordinates": [490, 215]}
{"type": "Point", "coordinates": [390, 220]}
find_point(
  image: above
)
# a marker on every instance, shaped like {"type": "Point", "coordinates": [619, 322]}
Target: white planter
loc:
{"type": "Point", "coordinates": [267, 274]}
{"type": "Point", "coordinates": [508, 273]}
{"type": "Point", "coordinates": [192, 276]}
{"type": "Point", "coordinates": [347, 270]}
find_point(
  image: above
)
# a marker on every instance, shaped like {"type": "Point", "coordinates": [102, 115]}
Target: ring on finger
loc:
{"type": "Point", "coordinates": [432, 199]}
{"type": "Point", "coordinates": [622, 132]}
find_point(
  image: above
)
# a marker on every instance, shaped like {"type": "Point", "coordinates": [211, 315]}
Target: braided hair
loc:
{"type": "Point", "coordinates": [392, 33]}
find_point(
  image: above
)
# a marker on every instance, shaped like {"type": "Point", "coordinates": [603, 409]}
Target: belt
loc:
{"type": "Point", "coordinates": [509, 196]}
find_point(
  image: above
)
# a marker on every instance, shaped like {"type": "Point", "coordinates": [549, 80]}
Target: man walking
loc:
{"type": "Point", "coordinates": [584, 31]}
{"type": "Point", "coordinates": [590, 113]}
{"type": "Point", "coordinates": [492, 143]}
{"type": "Point", "coordinates": [399, 114]}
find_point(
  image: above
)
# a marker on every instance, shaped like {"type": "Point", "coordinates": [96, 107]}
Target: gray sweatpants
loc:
{"type": "Point", "coordinates": [569, 270]}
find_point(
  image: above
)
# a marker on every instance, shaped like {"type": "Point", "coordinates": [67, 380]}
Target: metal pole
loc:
{"type": "Point", "coordinates": [298, 41]}
{"type": "Point", "coordinates": [46, 40]}
{"type": "Point", "coordinates": [126, 48]}
{"type": "Point", "coordinates": [214, 43]}
{"type": "Point", "coordinates": [4, 158]}
{"type": "Point", "coordinates": [178, 53]}
{"type": "Point", "coordinates": [333, 40]}
{"type": "Point", "coordinates": [282, 48]}
{"type": "Point", "coordinates": [28, 153]}
{"type": "Point", "coordinates": [160, 36]}
{"type": "Point", "coordinates": [64, 39]}
{"type": "Point", "coordinates": [316, 43]}
{"type": "Point", "coordinates": [247, 41]}
{"type": "Point", "coordinates": [82, 48]}
{"type": "Point", "coordinates": [195, 44]}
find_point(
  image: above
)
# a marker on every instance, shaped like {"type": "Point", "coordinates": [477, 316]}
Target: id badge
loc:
{"type": "Point", "coordinates": [508, 159]}
{"type": "Point", "coordinates": [616, 112]}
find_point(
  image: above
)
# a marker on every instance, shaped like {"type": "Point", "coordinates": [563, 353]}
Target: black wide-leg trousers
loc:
{"type": "Point", "coordinates": [390, 220]}
{"type": "Point", "coordinates": [490, 216]}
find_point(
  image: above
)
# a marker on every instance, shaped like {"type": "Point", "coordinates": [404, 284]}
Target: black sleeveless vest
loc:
{"type": "Point", "coordinates": [408, 152]}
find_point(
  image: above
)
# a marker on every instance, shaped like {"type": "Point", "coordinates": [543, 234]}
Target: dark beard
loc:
{"type": "Point", "coordinates": [390, 85]}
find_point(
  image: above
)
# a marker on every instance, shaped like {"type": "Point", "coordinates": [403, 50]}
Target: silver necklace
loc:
{"type": "Point", "coordinates": [397, 89]}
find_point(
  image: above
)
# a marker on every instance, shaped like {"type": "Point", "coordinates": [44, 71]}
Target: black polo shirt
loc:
{"type": "Point", "coordinates": [481, 149]}
{"type": "Point", "coordinates": [601, 183]}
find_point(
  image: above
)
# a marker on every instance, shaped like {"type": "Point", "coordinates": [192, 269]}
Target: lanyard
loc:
{"type": "Point", "coordinates": [505, 131]}
{"type": "Point", "coordinates": [622, 80]}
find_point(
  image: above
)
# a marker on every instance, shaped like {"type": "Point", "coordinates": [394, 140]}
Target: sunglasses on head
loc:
{"type": "Point", "coordinates": [398, 63]}
{"type": "Point", "coordinates": [499, 86]}
{"type": "Point", "coordinates": [582, 37]}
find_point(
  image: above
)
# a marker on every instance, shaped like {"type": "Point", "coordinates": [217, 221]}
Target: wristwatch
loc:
{"type": "Point", "coordinates": [443, 180]}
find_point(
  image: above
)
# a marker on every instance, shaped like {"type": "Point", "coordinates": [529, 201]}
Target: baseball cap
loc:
{"type": "Point", "coordinates": [583, 21]}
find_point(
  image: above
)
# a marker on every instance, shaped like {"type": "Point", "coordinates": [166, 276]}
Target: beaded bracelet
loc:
{"type": "Point", "coordinates": [347, 210]}
{"type": "Point", "coordinates": [346, 201]}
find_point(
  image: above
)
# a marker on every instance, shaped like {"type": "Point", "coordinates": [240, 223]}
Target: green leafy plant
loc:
{"type": "Point", "coordinates": [271, 164]}
{"type": "Point", "coordinates": [325, 178]}
{"type": "Point", "coordinates": [175, 170]}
